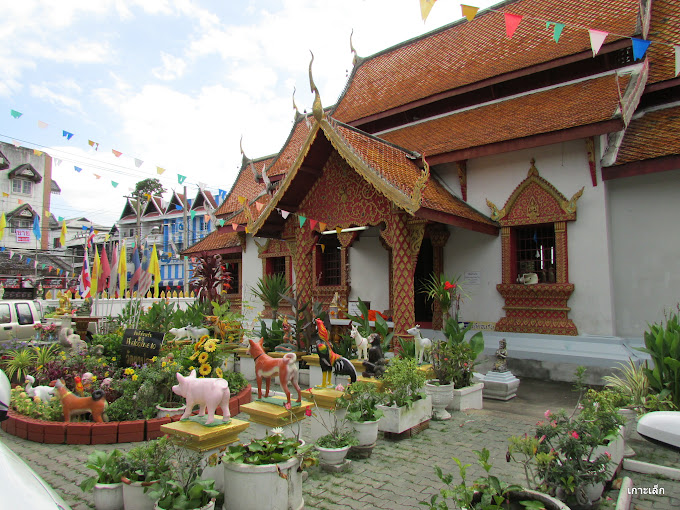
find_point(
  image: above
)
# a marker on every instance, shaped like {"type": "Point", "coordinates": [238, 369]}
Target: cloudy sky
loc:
{"type": "Point", "coordinates": [176, 83]}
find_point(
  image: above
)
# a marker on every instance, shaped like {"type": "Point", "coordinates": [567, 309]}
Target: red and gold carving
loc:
{"type": "Point", "coordinates": [438, 235]}
{"type": "Point", "coordinates": [540, 308]}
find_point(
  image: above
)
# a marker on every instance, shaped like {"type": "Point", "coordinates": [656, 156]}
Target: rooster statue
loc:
{"type": "Point", "coordinates": [329, 360]}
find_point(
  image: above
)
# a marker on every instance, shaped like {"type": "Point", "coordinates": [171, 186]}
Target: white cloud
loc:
{"type": "Point", "coordinates": [44, 92]}
{"type": "Point", "coordinates": [171, 69]}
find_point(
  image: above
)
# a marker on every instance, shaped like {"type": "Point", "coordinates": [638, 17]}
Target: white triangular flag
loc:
{"type": "Point", "coordinates": [677, 60]}
{"type": "Point", "coordinates": [597, 37]}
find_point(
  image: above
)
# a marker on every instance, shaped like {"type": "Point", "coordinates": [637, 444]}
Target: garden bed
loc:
{"type": "Point", "coordinates": [54, 432]}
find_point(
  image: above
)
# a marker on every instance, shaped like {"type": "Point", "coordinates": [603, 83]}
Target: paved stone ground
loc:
{"type": "Point", "coordinates": [399, 474]}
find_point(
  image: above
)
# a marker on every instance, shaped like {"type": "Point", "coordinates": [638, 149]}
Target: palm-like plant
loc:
{"type": "Point", "coordinates": [210, 278]}
{"type": "Point", "coordinates": [270, 289]}
{"type": "Point", "coordinates": [19, 363]}
{"type": "Point", "coordinates": [631, 381]}
{"type": "Point", "coordinates": [445, 291]}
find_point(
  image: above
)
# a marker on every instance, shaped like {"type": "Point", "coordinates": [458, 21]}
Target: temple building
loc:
{"type": "Point", "coordinates": [537, 168]}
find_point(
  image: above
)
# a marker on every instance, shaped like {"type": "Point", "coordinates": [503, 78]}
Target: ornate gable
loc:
{"type": "Point", "coordinates": [25, 171]}
{"type": "Point", "coordinates": [4, 162]}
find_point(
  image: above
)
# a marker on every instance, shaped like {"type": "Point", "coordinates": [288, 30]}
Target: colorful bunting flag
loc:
{"type": "Point", "coordinates": [94, 145]}
{"type": "Point", "coordinates": [66, 134]}
{"type": "Point", "coordinates": [677, 60]}
{"type": "Point", "coordinates": [193, 214]}
{"type": "Point", "coordinates": [284, 214]}
{"type": "Point", "coordinates": [116, 153]}
{"type": "Point", "coordinates": [302, 220]}
{"type": "Point", "coordinates": [469, 11]}
{"type": "Point", "coordinates": [322, 226]}
{"type": "Point", "coordinates": [42, 125]}
{"type": "Point", "coordinates": [259, 206]}
{"type": "Point", "coordinates": [338, 230]}
{"type": "Point", "coordinates": [178, 207]}
{"type": "Point", "coordinates": [557, 31]}
{"type": "Point", "coordinates": [138, 162]}
{"type": "Point", "coordinates": [425, 8]}
{"type": "Point", "coordinates": [15, 114]}
{"type": "Point", "coordinates": [323, 248]}
{"type": "Point", "coordinates": [597, 37]}
{"type": "Point", "coordinates": [5, 194]}
{"type": "Point", "coordinates": [181, 178]}
{"type": "Point", "coordinates": [312, 224]}
{"type": "Point", "coordinates": [20, 201]}
{"type": "Point", "coordinates": [241, 200]}
{"type": "Point", "coordinates": [512, 21]}
{"type": "Point", "coordinates": [114, 184]}
{"type": "Point", "coordinates": [160, 170]}
{"type": "Point", "coordinates": [639, 47]}
{"type": "Point", "coordinates": [77, 169]}
{"type": "Point", "coordinates": [3, 224]}
{"type": "Point", "coordinates": [221, 222]}
{"type": "Point", "coordinates": [206, 218]}
{"type": "Point", "coordinates": [97, 176]}
{"type": "Point", "coordinates": [37, 152]}
{"type": "Point", "coordinates": [57, 161]}
{"type": "Point", "coordinates": [234, 226]}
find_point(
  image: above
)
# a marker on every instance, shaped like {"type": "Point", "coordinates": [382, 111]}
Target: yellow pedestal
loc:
{"type": "Point", "coordinates": [271, 415]}
{"type": "Point", "coordinates": [428, 370]}
{"type": "Point", "coordinates": [201, 438]}
{"type": "Point", "coordinates": [242, 352]}
{"type": "Point", "coordinates": [372, 380]}
{"type": "Point", "coordinates": [358, 365]}
{"type": "Point", "coordinates": [323, 397]}
{"type": "Point", "coordinates": [312, 360]}
{"type": "Point", "coordinates": [279, 355]}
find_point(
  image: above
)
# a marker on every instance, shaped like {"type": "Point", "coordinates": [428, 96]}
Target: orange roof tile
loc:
{"type": "Point", "coordinates": [466, 52]}
{"type": "Point", "coordinates": [664, 27]}
{"type": "Point", "coordinates": [214, 241]}
{"type": "Point", "coordinates": [285, 158]}
{"type": "Point", "coordinates": [654, 135]}
{"type": "Point", "coordinates": [244, 186]}
{"type": "Point", "coordinates": [572, 105]}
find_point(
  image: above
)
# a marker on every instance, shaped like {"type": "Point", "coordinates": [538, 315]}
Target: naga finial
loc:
{"type": "Point", "coordinates": [298, 115]}
{"type": "Point", "coordinates": [317, 108]}
{"type": "Point", "coordinates": [352, 49]}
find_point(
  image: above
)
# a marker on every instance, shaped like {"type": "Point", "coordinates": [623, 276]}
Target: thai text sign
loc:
{"type": "Point", "coordinates": [23, 235]}
{"type": "Point", "coordinates": [139, 346]}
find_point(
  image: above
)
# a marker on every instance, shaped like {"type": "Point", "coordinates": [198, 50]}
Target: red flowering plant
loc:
{"type": "Point", "coordinates": [444, 291]}
{"type": "Point", "coordinates": [568, 453]}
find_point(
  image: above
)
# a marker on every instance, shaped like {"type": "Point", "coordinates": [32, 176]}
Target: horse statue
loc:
{"type": "Point", "coordinates": [423, 345]}
{"type": "Point", "coordinates": [361, 343]}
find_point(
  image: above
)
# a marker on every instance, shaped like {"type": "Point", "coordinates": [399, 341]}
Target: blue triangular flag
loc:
{"type": "Point", "coordinates": [77, 169]}
{"type": "Point", "coordinates": [66, 134]}
{"type": "Point", "coordinates": [639, 47]}
{"type": "Point", "coordinates": [84, 227]}
{"type": "Point", "coordinates": [36, 226]}
{"type": "Point", "coordinates": [28, 261]}
{"type": "Point", "coordinates": [178, 207]}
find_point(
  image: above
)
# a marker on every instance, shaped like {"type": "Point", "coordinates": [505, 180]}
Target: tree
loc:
{"type": "Point", "coordinates": [211, 279]}
{"type": "Point", "coordinates": [150, 186]}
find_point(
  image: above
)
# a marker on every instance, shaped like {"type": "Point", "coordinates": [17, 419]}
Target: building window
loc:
{"type": "Point", "coordinates": [20, 224]}
{"type": "Point", "coordinates": [22, 186]}
{"type": "Point", "coordinates": [535, 251]}
{"type": "Point", "coordinates": [276, 265]}
{"type": "Point", "coordinates": [331, 262]}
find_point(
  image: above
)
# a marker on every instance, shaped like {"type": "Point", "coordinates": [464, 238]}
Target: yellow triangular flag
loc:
{"type": "Point", "coordinates": [96, 269]}
{"type": "Point", "coordinates": [3, 224]}
{"type": "Point", "coordinates": [322, 226]}
{"type": "Point", "coordinates": [62, 238]}
{"type": "Point", "coordinates": [338, 230]}
{"type": "Point", "coordinates": [5, 194]}
{"type": "Point", "coordinates": [37, 152]}
{"type": "Point", "coordinates": [241, 200]}
{"type": "Point", "coordinates": [160, 170]}
{"type": "Point", "coordinates": [469, 11]}
{"type": "Point", "coordinates": [323, 248]}
{"type": "Point", "coordinates": [425, 8]}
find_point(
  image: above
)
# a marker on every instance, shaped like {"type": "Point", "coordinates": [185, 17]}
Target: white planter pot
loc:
{"type": "Point", "coordinates": [108, 496]}
{"type": "Point", "coordinates": [469, 397]}
{"type": "Point", "coordinates": [134, 497]}
{"type": "Point", "coordinates": [209, 506]}
{"type": "Point", "coordinates": [400, 419]}
{"type": "Point", "coordinates": [332, 456]}
{"type": "Point", "coordinates": [162, 412]}
{"type": "Point", "coordinates": [366, 431]}
{"type": "Point", "coordinates": [442, 395]}
{"type": "Point", "coordinates": [249, 487]}
{"type": "Point", "coordinates": [616, 449]}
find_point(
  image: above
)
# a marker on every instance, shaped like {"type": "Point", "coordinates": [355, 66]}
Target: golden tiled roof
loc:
{"type": "Point", "coordinates": [654, 135]}
{"type": "Point", "coordinates": [467, 52]}
{"type": "Point", "coordinates": [569, 106]}
{"type": "Point", "coordinates": [664, 27]}
{"type": "Point", "coordinates": [216, 240]}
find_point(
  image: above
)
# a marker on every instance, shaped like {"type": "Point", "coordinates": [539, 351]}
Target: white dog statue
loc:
{"type": "Point", "coordinates": [423, 345]}
{"type": "Point", "coordinates": [189, 332]}
{"type": "Point", "coordinates": [361, 343]}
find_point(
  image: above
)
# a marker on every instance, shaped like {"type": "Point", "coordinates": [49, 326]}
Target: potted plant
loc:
{"type": "Point", "coordinates": [270, 289]}
{"type": "Point", "coordinates": [466, 394]}
{"type": "Point", "coordinates": [143, 466]}
{"type": "Point", "coordinates": [265, 473]}
{"type": "Point", "coordinates": [487, 492]}
{"type": "Point", "coordinates": [361, 401]}
{"type": "Point", "coordinates": [106, 485]}
{"type": "Point", "coordinates": [440, 389]}
{"type": "Point", "coordinates": [181, 486]}
{"type": "Point", "coordinates": [406, 406]}
{"type": "Point", "coordinates": [335, 444]}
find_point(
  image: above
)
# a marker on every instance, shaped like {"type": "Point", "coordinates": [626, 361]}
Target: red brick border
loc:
{"type": "Point", "coordinates": [56, 432]}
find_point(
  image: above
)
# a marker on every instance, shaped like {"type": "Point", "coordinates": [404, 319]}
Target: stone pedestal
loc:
{"type": "Point", "coordinates": [372, 380]}
{"type": "Point", "coordinates": [265, 416]}
{"type": "Point", "coordinates": [246, 363]}
{"type": "Point", "coordinates": [207, 441]}
{"type": "Point", "coordinates": [500, 385]}
{"type": "Point", "coordinates": [315, 377]}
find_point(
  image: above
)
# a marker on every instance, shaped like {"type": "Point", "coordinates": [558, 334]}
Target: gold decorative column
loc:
{"type": "Point", "coordinates": [439, 235]}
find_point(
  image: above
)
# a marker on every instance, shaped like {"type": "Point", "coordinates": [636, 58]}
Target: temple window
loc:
{"type": "Point", "coordinates": [275, 265]}
{"type": "Point", "coordinates": [329, 265]}
{"type": "Point", "coordinates": [535, 251]}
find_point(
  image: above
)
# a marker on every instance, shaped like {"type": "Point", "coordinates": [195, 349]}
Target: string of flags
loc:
{"type": "Point", "coordinates": [597, 37]}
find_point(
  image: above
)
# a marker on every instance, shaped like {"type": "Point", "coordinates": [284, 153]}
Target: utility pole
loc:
{"type": "Point", "coordinates": [186, 243]}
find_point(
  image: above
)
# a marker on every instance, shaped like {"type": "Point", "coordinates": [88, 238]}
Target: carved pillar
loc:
{"type": "Point", "coordinates": [302, 260]}
{"type": "Point", "coordinates": [404, 235]}
{"type": "Point", "coordinates": [439, 235]}
{"type": "Point", "coordinates": [561, 252]}
{"type": "Point", "coordinates": [508, 270]}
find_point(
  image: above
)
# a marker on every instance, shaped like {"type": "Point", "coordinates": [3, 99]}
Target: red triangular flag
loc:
{"type": "Point", "coordinates": [511, 23]}
{"type": "Point", "coordinates": [234, 226]}
{"type": "Point", "coordinates": [116, 153]}
{"type": "Point", "coordinates": [259, 206]}
{"type": "Point", "coordinates": [312, 224]}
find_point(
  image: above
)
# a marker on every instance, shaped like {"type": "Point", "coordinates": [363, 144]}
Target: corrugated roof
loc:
{"type": "Point", "coordinates": [467, 52]}
{"type": "Point", "coordinates": [554, 109]}
{"type": "Point", "coordinates": [653, 135]}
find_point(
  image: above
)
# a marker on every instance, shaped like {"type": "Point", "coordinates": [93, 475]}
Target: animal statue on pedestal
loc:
{"type": "Point", "coordinates": [73, 405]}
{"type": "Point", "coordinates": [376, 364]}
{"type": "Point", "coordinates": [329, 360]}
{"type": "Point", "coordinates": [208, 393]}
{"type": "Point", "coordinates": [423, 345]}
{"type": "Point", "coordinates": [189, 332]}
{"type": "Point", "coordinates": [72, 341]}
{"type": "Point", "coordinates": [45, 393]}
{"type": "Point", "coordinates": [361, 343]}
{"type": "Point", "coordinates": [267, 367]}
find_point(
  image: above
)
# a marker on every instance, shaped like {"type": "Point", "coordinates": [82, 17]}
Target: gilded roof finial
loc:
{"type": "Point", "coordinates": [355, 58]}
{"type": "Point", "coordinates": [317, 108]}
{"type": "Point", "coordinates": [298, 115]}
{"type": "Point", "coordinates": [419, 186]}
{"type": "Point", "coordinates": [532, 169]}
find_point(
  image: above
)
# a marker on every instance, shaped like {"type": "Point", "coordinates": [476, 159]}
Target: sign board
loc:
{"type": "Point", "coordinates": [473, 277]}
{"type": "Point", "coordinates": [10, 283]}
{"type": "Point", "coordinates": [54, 283]}
{"type": "Point", "coordinates": [23, 235]}
{"type": "Point", "coordinates": [139, 346]}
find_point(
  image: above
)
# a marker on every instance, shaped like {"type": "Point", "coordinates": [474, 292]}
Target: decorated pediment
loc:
{"type": "Point", "coordinates": [25, 171]}
{"type": "Point", "coordinates": [535, 201]}
{"type": "Point", "coordinates": [4, 162]}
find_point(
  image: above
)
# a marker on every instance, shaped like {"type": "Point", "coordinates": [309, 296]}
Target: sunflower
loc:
{"type": "Point", "coordinates": [219, 373]}
{"type": "Point", "coordinates": [194, 356]}
{"type": "Point", "coordinates": [203, 358]}
{"type": "Point", "coordinates": [129, 371]}
{"type": "Point", "coordinates": [205, 369]}
{"type": "Point", "coordinates": [210, 345]}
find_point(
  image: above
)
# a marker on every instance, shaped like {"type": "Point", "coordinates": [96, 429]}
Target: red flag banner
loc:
{"type": "Point", "coordinates": [512, 21]}
{"type": "Point", "coordinates": [116, 153]}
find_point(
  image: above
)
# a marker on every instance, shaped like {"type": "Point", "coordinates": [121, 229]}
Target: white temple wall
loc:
{"type": "Point", "coordinates": [251, 271]}
{"type": "Point", "coordinates": [644, 214]}
{"type": "Point", "coordinates": [369, 269]}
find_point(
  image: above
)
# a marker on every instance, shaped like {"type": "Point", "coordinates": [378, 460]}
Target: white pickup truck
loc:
{"type": "Point", "coordinates": [17, 318]}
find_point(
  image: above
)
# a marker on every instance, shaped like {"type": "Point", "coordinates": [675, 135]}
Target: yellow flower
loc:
{"type": "Point", "coordinates": [219, 373]}
{"type": "Point", "coordinates": [191, 368]}
{"type": "Point", "coordinates": [129, 371]}
{"type": "Point", "coordinates": [231, 338]}
{"type": "Point", "coordinates": [153, 360]}
{"type": "Point", "coordinates": [135, 377]}
{"type": "Point", "coordinates": [113, 359]}
{"type": "Point", "coordinates": [163, 364]}
{"type": "Point", "coordinates": [203, 338]}
{"type": "Point", "coordinates": [106, 374]}
{"type": "Point", "coordinates": [40, 367]}
{"type": "Point", "coordinates": [205, 369]}
{"type": "Point", "coordinates": [94, 378]}
{"type": "Point", "coordinates": [193, 356]}
{"type": "Point", "coordinates": [210, 345]}
{"type": "Point", "coordinates": [203, 358]}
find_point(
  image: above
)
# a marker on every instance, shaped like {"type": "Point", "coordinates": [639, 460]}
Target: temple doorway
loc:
{"type": "Point", "coordinates": [424, 268]}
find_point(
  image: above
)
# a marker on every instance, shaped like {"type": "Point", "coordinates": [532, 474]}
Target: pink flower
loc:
{"type": "Point", "coordinates": [609, 455]}
{"type": "Point", "coordinates": [539, 424]}
{"type": "Point", "coordinates": [542, 438]}
{"type": "Point", "coordinates": [340, 387]}
{"type": "Point", "coordinates": [574, 434]}
{"type": "Point", "coordinates": [287, 405]}
{"type": "Point", "coordinates": [547, 413]}
{"type": "Point", "coordinates": [553, 424]}
{"type": "Point", "coordinates": [308, 411]}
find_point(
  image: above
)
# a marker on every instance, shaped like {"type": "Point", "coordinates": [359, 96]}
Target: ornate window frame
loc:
{"type": "Point", "coordinates": [539, 308]}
